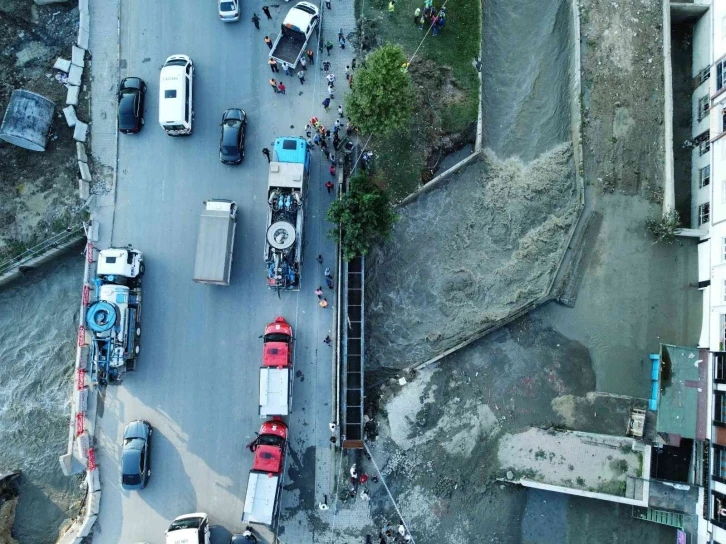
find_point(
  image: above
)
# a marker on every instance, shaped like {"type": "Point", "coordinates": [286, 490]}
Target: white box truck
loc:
{"type": "Point", "coordinates": [215, 242]}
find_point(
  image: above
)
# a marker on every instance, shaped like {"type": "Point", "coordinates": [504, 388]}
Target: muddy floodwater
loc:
{"type": "Point", "coordinates": [38, 323]}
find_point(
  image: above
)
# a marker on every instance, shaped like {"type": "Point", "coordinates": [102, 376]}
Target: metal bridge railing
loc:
{"type": "Point", "coordinates": [53, 242]}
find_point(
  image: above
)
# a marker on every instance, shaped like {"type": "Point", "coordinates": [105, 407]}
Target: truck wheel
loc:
{"type": "Point", "coordinates": [138, 332]}
{"type": "Point", "coordinates": [142, 269]}
{"type": "Point", "coordinates": [148, 473]}
{"type": "Point", "coordinates": [137, 349]}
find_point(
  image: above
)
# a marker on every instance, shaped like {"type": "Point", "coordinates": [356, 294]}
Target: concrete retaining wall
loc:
{"type": "Point", "coordinates": [669, 192]}
{"type": "Point", "coordinates": [17, 272]}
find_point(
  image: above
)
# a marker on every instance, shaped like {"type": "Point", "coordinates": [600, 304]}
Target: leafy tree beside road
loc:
{"type": "Point", "coordinates": [382, 97]}
{"type": "Point", "coordinates": [364, 215]}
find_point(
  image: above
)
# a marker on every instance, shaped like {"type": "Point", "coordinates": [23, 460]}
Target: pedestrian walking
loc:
{"type": "Point", "coordinates": [348, 129]}
{"type": "Point", "coordinates": [311, 56]}
{"type": "Point", "coordinates": [331, 169]}
{"type": "Point", "coordinates": [327, 272]}
{"type": "Point", "coordinates": [416, 15]}
{"type": "Point", "coordinates": [281, 87]}
{"type": "Point", "coordinates": [391, 7]}
{"type": "Point", "coordinates": [266, 153]}
{"type": "Point", "coordinates": [328, 46]}
{"type": "Point", "coordinates": [336, 140]}
{"type": "Point", "coordinates": [326, 152]}
{"type": "Point", "coordinates": [326, 66]}
{"type": "Point", "coordinates": [364, 496]}
{"type": "Point", "coordinates": [341, 42]}
{"type": "Point", "coordinates": [266, 11]}
{"type": "Point", "coordinates": [323, 303]}
{"type": "Point", "coordinates": [319, 292]}
{"type": "Point", "coordinates": [315, 122]}
{"type": "Point", "coordinates": [332, 158]}
{"type": "Point", "coordinates": [308, 130]}
{"type": "Point", "coordinates": [316, 139]}
{"type": "Point", "coordinates": [353, 64]}
{"type": "Point", "coordinates": [323, 131]}
{"type": "Point", "coordinates": [326, 104]}
{"type": "Point", "coordinates": [347, 71]}
{"type": "Point", "coordinates": [273, 84]}
{"type": "Point", "coordinates": [435, 25]}
{"type": "Point", "coordinates": [273, 66]}
{"type": "Point", "coordinates": [331, 79]}
{"type": "Point", "coordinates": [331, 91]}
{"type": "Point", "coordinates": [301, 77]}
{"type": "Point", "coordinates": [327, 135]}
{"type": "Point", "coordinates": [329, 283]}
{"type": "Point", "coordinates": [303, 63]}
{"type": "Point", "coordinates": [268, 41]}
{"type": "Point", "coordinates": [329, 186]}
{"type": "Point", "coordinates": [327, 4]}
{"type": "Point", "coordinates": [327, 341]}
{"type": "Point", "coordinates": [340, 115]}
{"type": "Point", "coordinates": [324, 144]}
{"type": "Point", "coordinates": [286, 68]}
{"type": "Point", "coordinates": [340, 33]}
{"type": "Point", "coordinates": [256, 21]}
{"type": "Point", "coordinates": [320, 259]}
{"type": "Point", "coordinates": [336, 128]}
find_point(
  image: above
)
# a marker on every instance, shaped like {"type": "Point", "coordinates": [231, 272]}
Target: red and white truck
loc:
{"type": "Point", "coordinates": [264, 485]}
{"type": "Point", "coordinates": [276, 374]}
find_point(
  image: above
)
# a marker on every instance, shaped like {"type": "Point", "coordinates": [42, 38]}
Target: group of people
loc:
{"type": "Point", "coordinates": [430, 14]}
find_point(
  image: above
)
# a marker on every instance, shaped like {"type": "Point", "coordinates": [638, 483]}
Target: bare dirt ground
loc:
{"type": "Point", "coordinates": [39, 192]}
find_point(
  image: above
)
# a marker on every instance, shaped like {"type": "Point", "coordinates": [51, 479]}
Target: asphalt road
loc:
{"type": "Point", "coordinates": [197, 377]}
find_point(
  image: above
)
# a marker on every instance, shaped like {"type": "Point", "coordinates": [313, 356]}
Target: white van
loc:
{"type": "Point", "coordinates": [175, 95]}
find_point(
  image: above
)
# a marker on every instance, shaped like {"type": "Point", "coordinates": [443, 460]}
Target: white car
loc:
{"type": "Point", "coordinates": [229, 10]}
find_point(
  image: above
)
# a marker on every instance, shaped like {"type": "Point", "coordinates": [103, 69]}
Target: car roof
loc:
{"type": "Point", "coordinates": [130, 461]}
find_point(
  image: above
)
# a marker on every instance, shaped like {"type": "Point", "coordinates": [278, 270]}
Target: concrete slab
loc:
{"type": "Point", "coordinates": [94, 502]}
{"type": "Point", "coordinates": [78, 56]}
{"type": "Point", "coordinates": [83, 5]}
{"type": "Point", "coordinates": [72, 96]}
{"type": "Point", "coordinates": [84, 21]}
{"type": "Point", "coordinates": [81, 152]}
{"type": "Point", "coordinates": [87, 525]}
{"type": "Point", "coordinates": [70, 114]}
{"type": "Point", "coordinates": [75, 74]}
{"type": "Point", "coordinates": [81, 129]}
{"type": "Point", "coordinates": [83, 37]}
{"type": "Point", "coordinates": [84, 189]}
{"type": "Point", "coordinates": [85, 171]}
{"type": "Point", "coordinates": [62, 64]}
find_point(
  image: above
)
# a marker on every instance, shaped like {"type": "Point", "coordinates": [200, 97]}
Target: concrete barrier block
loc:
{"type": "Point", "coordinates": [62, 64]}
{"type": "Point", "coordinates": [93, 479]}
{"type": "Point", "coordinates": [84, 22]}
{"type": "Point", "coordinates": [85, 171]}
{"type": "Point", "coordinates": [81, 400]}
{"type": "Point", "coordinates": [69, 112]}
{"type": "Point", "coordinates": [80, 446]}
{"type": "Point", "coordinates": [82, 40]}
{"type": "Point", "coordinates": [74, 75]}
{"type": "Point", "coordinates": [80, 131]}
{"type": "Point", "coordinates": [94, 502]}
{"type": "Point", "coordinates": [84, 190]}
{"type": "Point", "coordinates": [81, 152]}
{"type": "Point", "coordinates": [72, 96]}
{"type": "Point", "coordinates": [65, 462]}
{"type": "Point", "coordinates": [83, 5]}
{"type": "Point", "coordinates": [78, 56]}
{"type": "Point", "coordinates": [87, 525]}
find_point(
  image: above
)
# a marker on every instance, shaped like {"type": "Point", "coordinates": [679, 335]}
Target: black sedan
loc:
{"type": "Point", "coordinates": [232, 140]}
{"type": "Point", "coordinates": [131, 105]}
{"type": "Point", "coordinates": [136, 455]}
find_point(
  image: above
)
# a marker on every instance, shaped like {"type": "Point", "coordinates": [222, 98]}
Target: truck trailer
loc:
{"type": "Point", "coordinates": [114, 319]}
{"type": "Point", "coordinates": [276, 373]}
{"type": "Point", "coordinates": [264, 485]}
{"type": "Point", "coordinates": [295, 33]}
{"type": "Point", "coordinates": [215, 242]}
{"type": "Point", "coordinates": [286, 191]}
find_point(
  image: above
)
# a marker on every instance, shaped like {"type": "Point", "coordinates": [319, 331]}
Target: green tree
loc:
{"type": "Point", "coordinates": [382, 98]}
{"type": "Point", "coordinates": [364, 215]}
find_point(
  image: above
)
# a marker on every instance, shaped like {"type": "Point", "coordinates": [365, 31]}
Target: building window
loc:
{"type": "Point", "coordinates": [719, 369]}
{"type": "Point", "coordinates": [720, 74]}
{"type": "Point", "coordinates": [704, 104]}
{"type": "Point", "coordinates": [718, 512]}
{"type": "Point", "coordinates": [704, 213]}
{"type": "Point", "coordinates": [704, 147]}
{"type": "Point", "coordinates": [719, 463]}
{"type": "Point", "coordinates": [703, 75]}
{"type": "Point", "coordinates": [719, 409]}
{"type": "Point", "coordinates": [704, 176]}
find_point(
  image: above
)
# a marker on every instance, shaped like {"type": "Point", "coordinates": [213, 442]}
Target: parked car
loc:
{"type": "Point", "coordinates": [131, 105]}
{"type": "Point", "coordinates": [229, 10]}
{"type": "Point", "coordinates": [232, 139]}
{"type": "Point", "coordinates": [244, 538]}
{"type": "Point", "coordinates": [136, 455]}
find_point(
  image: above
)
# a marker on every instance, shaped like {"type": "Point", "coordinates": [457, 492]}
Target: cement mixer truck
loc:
{"type": "Point", "coordinates": [114, 319]}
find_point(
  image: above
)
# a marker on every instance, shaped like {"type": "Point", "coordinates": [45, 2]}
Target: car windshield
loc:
{"type": "Point", "coordinates": [133, 443]}
{"type": "Point", "coordinates": [270, 440]}
{"type": "Point", "coordinates": [189, 523]}
{"type": "Point", "coordinates": [131, 479]}
{"type": "Point", "coordinates": [276, 337]}
{"type": "Point", "coordinates": [233, 123]}
{"type": "Point", "coordinates": [226, 6]}
{"type": "Point", "coordinates": [229, 151]}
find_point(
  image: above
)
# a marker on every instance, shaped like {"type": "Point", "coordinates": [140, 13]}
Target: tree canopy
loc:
{"type": "Point", "coordinates": [364, 215]}
{"type": "Point", "coordinates": [382, 97]}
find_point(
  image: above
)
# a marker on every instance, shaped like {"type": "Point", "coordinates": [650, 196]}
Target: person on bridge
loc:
{"type": "Point", "coordinates": [268, 41]}
{"type": "Point", "coordinates": [281, 88]}
{"type": "Point", "coordinates": [273, 84]}
{"type": "Point", "coordinates": [301, 77]}
{"type": "Point", "coordinates": [323, 303]}
{"type": "Point", "coordinates": [328, 46]}
{"type": "Point", "coordinates": [266, 11]}
{"type": "Point", "coordinates": [266, 153]}
{"type": "Point", "coordinates": [326, 104]}
{"type": "Point", "coordinates": [311, 56]}
{"type": "Point", "coordinates": [256, 21]}
{"type": "Point", "coordinates": [319, 292]}
{"type": "Point", "coordinates": [303, 63]}
{"type": "Point", "coordinates": [273, 65]}
{"type": "Point", "coordinates": [329, 186]}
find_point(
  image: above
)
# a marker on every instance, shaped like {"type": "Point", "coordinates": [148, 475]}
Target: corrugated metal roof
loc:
{"type": "Point", "coordinates": [682, 374]}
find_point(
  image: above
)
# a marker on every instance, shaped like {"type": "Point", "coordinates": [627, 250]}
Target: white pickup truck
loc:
{"type": "Point", "coordinates": [295, 33]}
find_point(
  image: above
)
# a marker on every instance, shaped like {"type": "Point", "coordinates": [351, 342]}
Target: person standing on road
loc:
{"type": "Point", "coordinates": [256, 21]}
{"type": "Point", "coordinates": [266, 153]}
{"type": "Point", "coordinates": [326, 66]}
{"type": "Point", "coordinates": [347, 72]}
{"type": "Point", "coordinates": [331, 169]}
{"type": "Point", "coordinates": [303, 63]}
{"type": "Point", "coordinates": [326, 104]}
{"type": "Point", "coordinates": [329, 186]}
{"type": "Point", "coordinates": [326, 153]}
{"type": "Point", "coordinates": [353, 63]}
{"type": "Point", "coordinates": [331, 92]}
{"type": "Point", "coordinates": [328, 46]}
{"type": "Point", "coordinates": [316, 139]}
{"type": "Point", "coordinates": [341, 42]}
{"type": "Point", "coordinates": [268, 41]}
{"type": "Point", "coordinates": [331, 79]}
{"type": "Point", "coordinates": [301, 77]}
{"type": "Point", "coordinates": [327, 340]}
{"type": "Point", "coordinates": [281, 87]}
{"type": "Point", "coordinates": [391, 8]}
{"type": "Point", "coordinates": [323, 303]}
{"type": "Point", "coordinates": [327, 4]}
{"type": "Point", "coordinates": [273, 84]}
{"type": "Point", "coordinates": [311, 56]}
{"type": "Point", "coordinates": [336, 140]}
{"type": "Point", "coordinates": [320, 259]}
{"type": "Point", "coordinates": [319, 292]}
{"type": "Point", "coordinates": [286, 68]}
{"type": "Point", "coordinates": [416, 15]}
{"type": "Point", "coordinates": [273, 66]}
{"type": "Point", "coordinates": [266, 11]}
{"type": "Point", "coordinates": [308, 130]}
{"type": "Point", "coordinates": [340, 115]}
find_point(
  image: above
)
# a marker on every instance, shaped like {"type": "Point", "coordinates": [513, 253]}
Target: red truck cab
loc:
{"type": "Point", "coordinates": [269, 447]}
{"type": "Point", "coordinates": [277, 350]}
